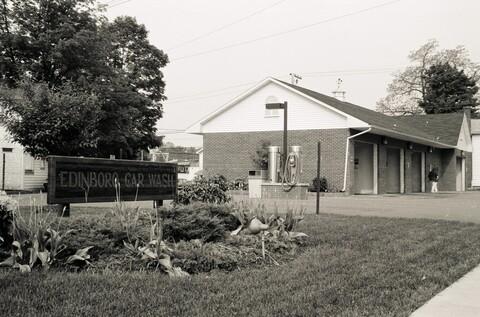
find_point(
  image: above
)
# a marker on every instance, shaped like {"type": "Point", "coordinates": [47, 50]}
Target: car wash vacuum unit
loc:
{"type": "Point", "coordinates": [288, 173]}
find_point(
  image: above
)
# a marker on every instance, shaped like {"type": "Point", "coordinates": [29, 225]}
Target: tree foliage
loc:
{"type": "Point", "coordinates": [408, 88]}
{"type": "Point", "coordinates": [66, 50]}
{"type": "Point", "coordinates": [39, 118]}
{"type": "Point", "coordinates": [447, 89]}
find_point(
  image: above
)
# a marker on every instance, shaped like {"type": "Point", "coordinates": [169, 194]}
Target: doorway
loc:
{"type": "Point", "coordinates": [393, 171]}
{"type": "Point", "coordinates": [416, 172]}
{"type": "Point", "coordinates": [365, 168]}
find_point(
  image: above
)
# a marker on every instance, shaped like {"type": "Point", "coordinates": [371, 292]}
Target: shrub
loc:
{"type": "Point", "coordinates": [196, 257]}
{"type": "Point", "coordinates": [322, 183]}
{"type": "Point", "coordinates": [198, 221]}
{"type": "Point", "coordinates": [7, 209]}
{"type": "Point", "coordinates": [212, 189]}
{"type": "Point", "coordinates": [260, 158]}
{"type": "Point", "coordinates": [238, 184]}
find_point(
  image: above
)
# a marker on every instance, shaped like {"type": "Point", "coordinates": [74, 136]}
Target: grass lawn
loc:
{"type": "Point", "coordinates": [354, 266]}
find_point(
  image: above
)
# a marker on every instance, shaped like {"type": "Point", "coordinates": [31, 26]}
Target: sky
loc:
{"type": "Point", "coordinates": [220, 48]}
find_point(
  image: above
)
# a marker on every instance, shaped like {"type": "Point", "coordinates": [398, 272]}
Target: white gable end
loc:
{"type": "Point", "coordinates": [464, 139]}
{"type": "Point", "coordinates": [249, 114]}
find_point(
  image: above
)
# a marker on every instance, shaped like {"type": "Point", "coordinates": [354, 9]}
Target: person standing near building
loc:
{"type": "Point", "coordinates": [433, 178]}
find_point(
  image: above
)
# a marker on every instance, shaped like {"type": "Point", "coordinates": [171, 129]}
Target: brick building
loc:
{"type": "Point", "coordinates": [363, 151]}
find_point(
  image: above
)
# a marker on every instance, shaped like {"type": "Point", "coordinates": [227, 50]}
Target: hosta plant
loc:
{"type": "Point", "coordinates": [80, 258]}
{"type": "Point", "coordinates": [35, 242]}
{"type": "Point", "coordinates": [155, 252]}
{"type": "Point", "coordinates": [254, 221]}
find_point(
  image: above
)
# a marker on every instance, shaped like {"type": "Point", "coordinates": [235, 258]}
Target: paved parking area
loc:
{"type": "Point", "coordinates": [445, 206]}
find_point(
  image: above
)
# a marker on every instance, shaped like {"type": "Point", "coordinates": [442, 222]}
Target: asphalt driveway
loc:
{"type": "Point", "coordinates": [445, 206]}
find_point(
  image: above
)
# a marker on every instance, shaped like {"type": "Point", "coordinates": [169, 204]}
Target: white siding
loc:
{"type": "Point", "coordinates": [13, 162]}
{"type": "Point", "coordinates": [13, 167]}
{"type": "Point", "coordinates": [248, 114]}
{"type": "Point", "coordinates": [38, 178]}
{"type": "Point", "coordinates": [476, 160]}
{"type": "Point", "coordinates": [464, 139]}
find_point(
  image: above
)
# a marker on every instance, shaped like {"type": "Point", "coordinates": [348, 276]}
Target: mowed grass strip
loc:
{"type": "Point", "coordinates": [353, 266]}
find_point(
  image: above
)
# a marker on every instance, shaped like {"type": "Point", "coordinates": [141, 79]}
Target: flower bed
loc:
{"type": "Point", "coordinates": [180, 240]}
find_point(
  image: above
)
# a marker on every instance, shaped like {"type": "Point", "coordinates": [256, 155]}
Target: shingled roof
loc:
{"type": "Point", "coordinates": [442, 130]}
{"type": "Point", "coordinates": [445, 126]}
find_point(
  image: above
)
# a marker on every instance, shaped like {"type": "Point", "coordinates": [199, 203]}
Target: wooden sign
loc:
{"type": "Point", "coordinates": [83, 180]}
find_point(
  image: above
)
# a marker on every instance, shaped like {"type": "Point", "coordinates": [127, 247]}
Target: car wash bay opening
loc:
{"type": "Point", "coordinates": [394, 168]}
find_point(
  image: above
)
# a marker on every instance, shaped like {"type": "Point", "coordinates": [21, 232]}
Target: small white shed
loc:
{"type": "Point", "coordinates": [19, 170]}
{"type": "Point", "coordinates": [476, 153]}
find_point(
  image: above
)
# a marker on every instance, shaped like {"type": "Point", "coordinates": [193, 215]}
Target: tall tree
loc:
{"type": "Point", "coordinates": [447, 89]}
{"type": "Point", "coordinates": [60, 44]}
{"type": "Point", "coordinates": [408, 88]}
{"type": "Point", "coordinates": [134, 106]}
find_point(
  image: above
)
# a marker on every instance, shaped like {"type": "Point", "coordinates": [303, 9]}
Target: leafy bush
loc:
{"type": "Point", "coordinates": [35, 242]}
{"type": "Point", "coordinates": [198, 221]}
{"type": "Point", "coordinates": [211, 189]}
{"type": "Point", "coordinates": [7, 209]}
{"type": "Point", "coordinates": [316, 183]}
{"type": "Point", "coordinates": [260, 158]}
{"type": "Point", "coordinates": [238, 184]}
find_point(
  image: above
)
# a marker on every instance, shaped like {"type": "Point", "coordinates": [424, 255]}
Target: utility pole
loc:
{"type": "Point", "coordinates": [294, 78]}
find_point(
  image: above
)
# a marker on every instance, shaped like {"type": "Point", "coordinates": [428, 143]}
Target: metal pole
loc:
{"type": "Point", "coordinates": [3, 172]}
{"type": "Point", "coordinates": [285, 129]}
{"type": "Point", "coordinates": [318, 177]}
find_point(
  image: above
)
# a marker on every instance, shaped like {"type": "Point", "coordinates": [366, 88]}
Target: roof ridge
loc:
{"type": "Point", "coordinates": [372, 117]}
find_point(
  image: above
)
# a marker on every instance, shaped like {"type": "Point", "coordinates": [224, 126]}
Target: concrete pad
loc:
{"type": "Point", "coordinates": [462, 298]}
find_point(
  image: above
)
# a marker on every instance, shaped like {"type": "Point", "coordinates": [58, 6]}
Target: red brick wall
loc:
{"type": "Point", "coordinates": [230, 154]}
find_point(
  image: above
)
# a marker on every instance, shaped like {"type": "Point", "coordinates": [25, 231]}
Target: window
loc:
{"type": "Point", "coordinates": [7, 149]}
{"type": "Point", "coordinates": [272, 112]}
{"type": "Point", "coordinates": [28, 164]}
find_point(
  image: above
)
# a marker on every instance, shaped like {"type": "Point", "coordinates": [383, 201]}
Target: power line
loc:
{"type": "Point", "coordinates": [223, 91]}
{"type": "Point", "coordinates": [212, 91]}
{"type": "Point", "coordinates": [116, 4]}
{"type": "Point", "coordinates": [203, 97]}
{"type": "Point", "coordinates": [223, 27]}
{"type": "Point", "coordinates": [352, 71]}
{"type": "Point", "coordinates": [261, 38]}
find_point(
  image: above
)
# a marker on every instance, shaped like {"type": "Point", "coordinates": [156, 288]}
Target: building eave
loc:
{"type": "Point", "coordinates": [411, 138]}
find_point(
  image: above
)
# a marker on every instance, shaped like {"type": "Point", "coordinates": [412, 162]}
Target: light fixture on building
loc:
{"type": "Point", "coordinates": [430, 149]}
{"type": "Point", "coordinates": [384, 140]}
{"type": "Point", "coordinates": [410, 145]}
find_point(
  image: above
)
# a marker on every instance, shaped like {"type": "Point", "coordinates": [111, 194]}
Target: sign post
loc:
{"type": "Point", "coordinates": [85, 180]}
{"type": "Point", "coordinates": [319, 157]}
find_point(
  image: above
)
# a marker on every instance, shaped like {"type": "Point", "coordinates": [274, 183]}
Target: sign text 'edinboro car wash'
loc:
{"type": "Point", "coordinates": [75, 180]}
